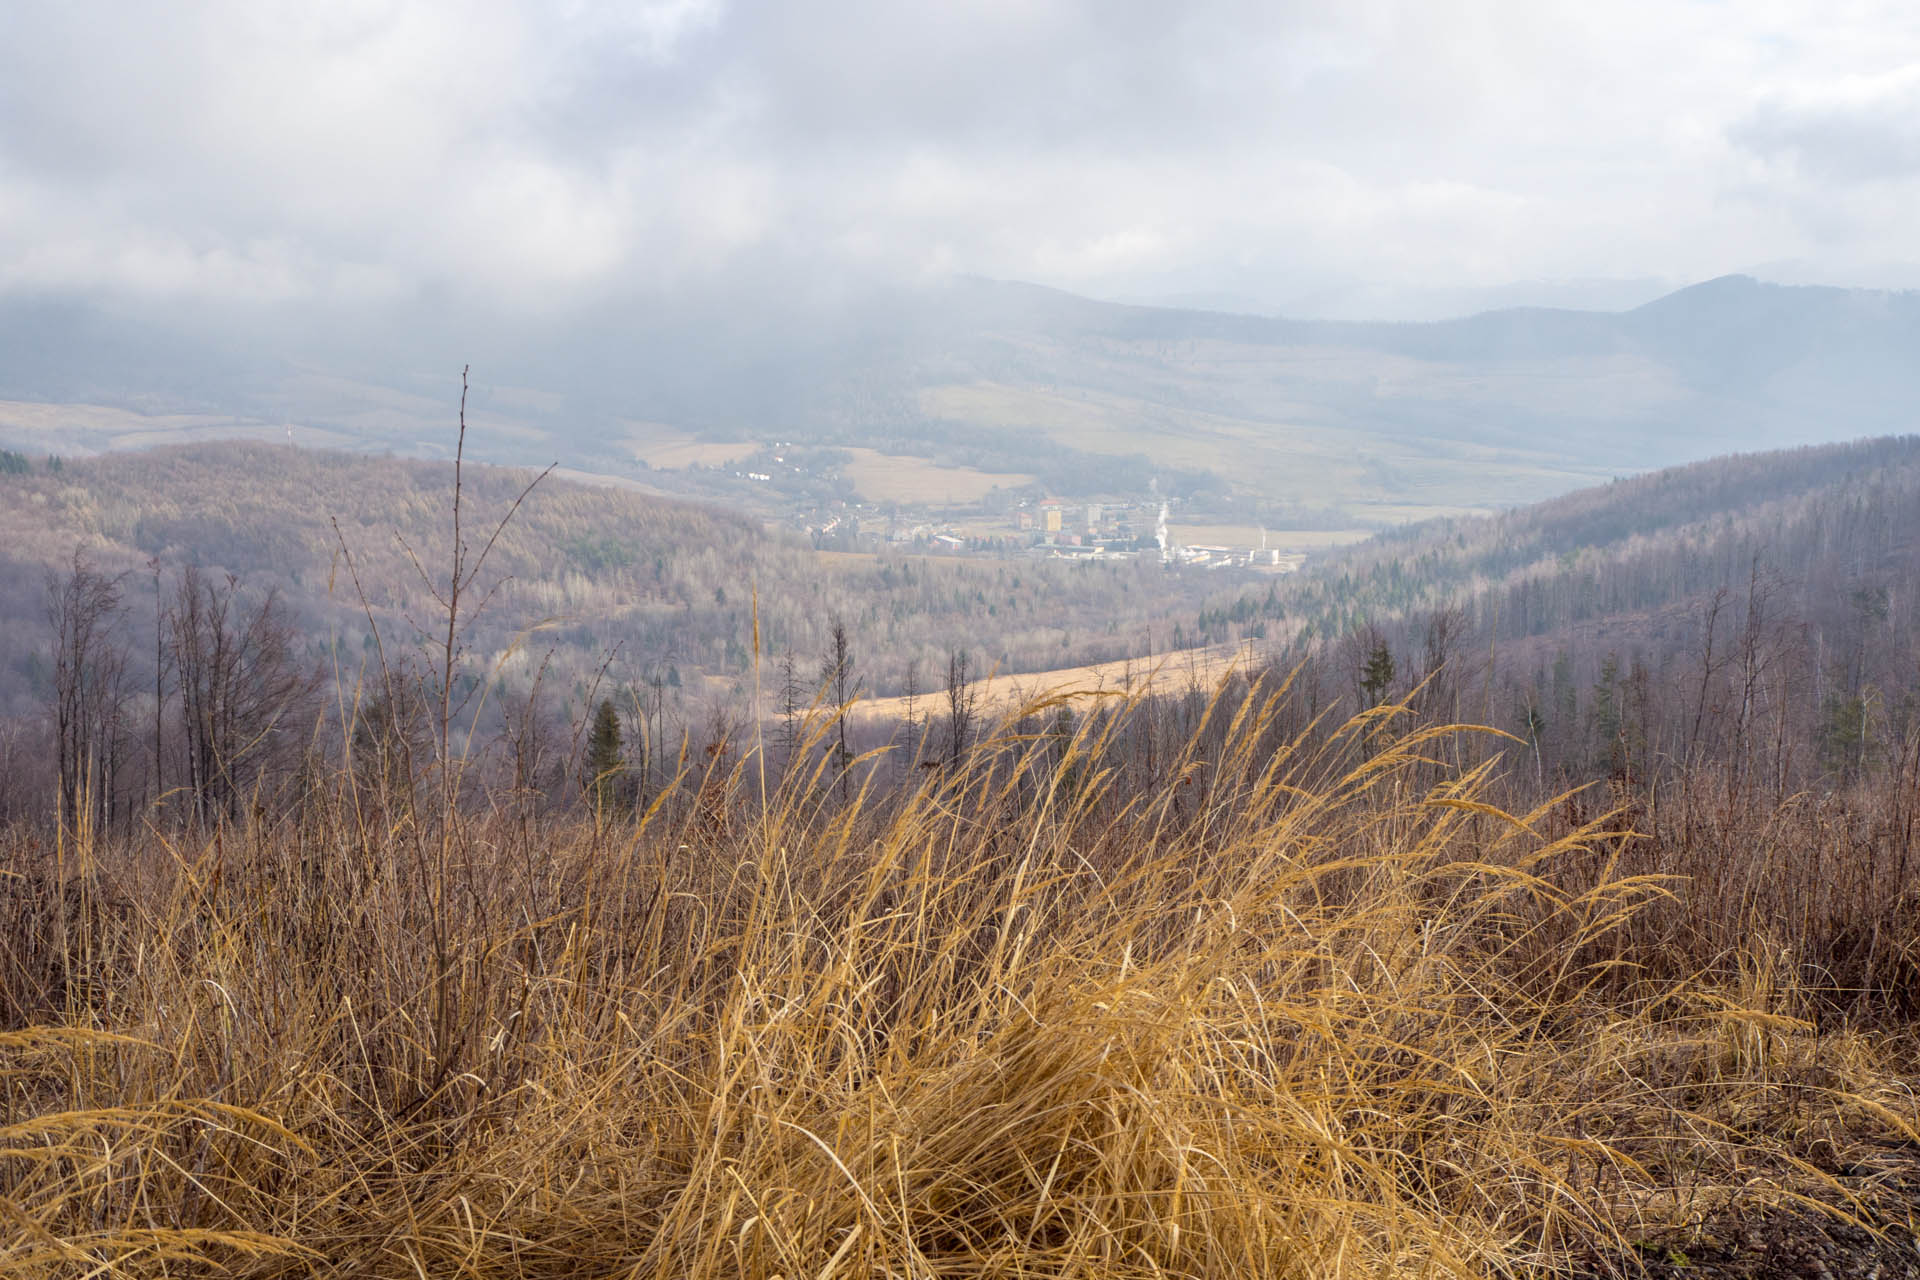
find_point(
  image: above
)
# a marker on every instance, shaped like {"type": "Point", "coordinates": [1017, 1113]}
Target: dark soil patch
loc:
{"type": "Point", "coordinates": [1774, 1246]}
{"type": "Point", "coordinates": [1796, 1244]}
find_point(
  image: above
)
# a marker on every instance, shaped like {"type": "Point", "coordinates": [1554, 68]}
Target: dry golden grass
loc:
{"type": "Point", "coordinates": [1198, 668]}
{"type": "Point", "coordinates": [1249, 535]}
{"type": "Point", "coordinates": [884, 477]}
{"type": "Point", "coordinates": [666, 448]}
{"type": "Point", "coordinates": [1280, 1010]}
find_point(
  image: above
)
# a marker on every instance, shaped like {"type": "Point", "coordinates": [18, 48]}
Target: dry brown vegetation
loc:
{"type": "Point", "coordinates": [1214, 993]}
{"type": "Point", "coordinates": [999, 694]}
{"type": "Point", "coordinates": [882, 477]}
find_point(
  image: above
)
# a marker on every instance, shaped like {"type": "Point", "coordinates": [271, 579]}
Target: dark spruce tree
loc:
{"type": "Point", "coordinates": [606, 768]}
{"type": "Point", "coordinates": [1376, 678]}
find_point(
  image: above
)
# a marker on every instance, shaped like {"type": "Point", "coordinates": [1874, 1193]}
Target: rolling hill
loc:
{"type": "Point", "coordinates": [1249, 416]}
{"type": "Point", "coordinates": [1755, 604]}
{"type": "Point", "coordinates": [591, 578]}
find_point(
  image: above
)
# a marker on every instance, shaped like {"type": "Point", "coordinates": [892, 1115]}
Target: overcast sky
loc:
{"type": "Point", "coordinates": [548, 155]}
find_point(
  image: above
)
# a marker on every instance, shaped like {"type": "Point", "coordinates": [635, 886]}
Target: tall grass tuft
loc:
{"type": "Point", "coordinates": [1276, 1009]}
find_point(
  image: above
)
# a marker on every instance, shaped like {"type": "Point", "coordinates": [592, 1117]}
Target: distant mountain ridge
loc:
{"type": "Point", "coordinates": [1732, 324]}
{"type": "Point", "coordinates": [1386, 420]}
{"type": "Point", "coordinates": [1726, 365]}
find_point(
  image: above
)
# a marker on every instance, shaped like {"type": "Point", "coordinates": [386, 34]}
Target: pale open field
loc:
{"type": "Point", "coordinates": [1248, 535]}
{"type": "Point", "coordinates": [80, 429]}
{"type": "Point", "coordinates": [54, 420]}
{"type": "Point", "coordinates": [354, 414]}
{"type": "Point", "coordinates": [1281, 450]}
{"type": "Point", "coordinates": [1163, 673]}
{"type": "Point", "coordinates": [1409, 513]}
{"type": "Point", "coordinates": [608, 482]}
{"type": "Point", "coordinates": [865, 558]}
{"type": "Point", "coordinates": [883, 477]}
{"type": "Point", "coordinates": [1104, 423]}
{"type": "Point", "coordinates": [669, 449]}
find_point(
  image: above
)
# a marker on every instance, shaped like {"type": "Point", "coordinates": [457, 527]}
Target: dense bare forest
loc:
{"type": "Point", "coordinates": [330, 563]}
{"type": "Point", "coordinates": [1756, 610]}
{"type": "Point", "coordinates": [1754, 615]}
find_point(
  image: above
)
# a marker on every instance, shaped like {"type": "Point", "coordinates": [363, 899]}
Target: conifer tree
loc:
{"type": "Point", "coordinates": [1376, 678]}
{"type": "Point", "coordinates": [605, 766]}
{"type": "Point", "coordinates": [837, 677]}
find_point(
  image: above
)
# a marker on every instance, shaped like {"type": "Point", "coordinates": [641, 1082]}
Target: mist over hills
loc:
{"type": "Point", "coordinates": [1381, 420]}
{"type": "Point", "coordinates": [1388, 300]}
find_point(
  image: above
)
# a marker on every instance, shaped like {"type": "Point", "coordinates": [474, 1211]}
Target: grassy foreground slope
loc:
{"type": "Point", "coordinates": [1274, 1003]}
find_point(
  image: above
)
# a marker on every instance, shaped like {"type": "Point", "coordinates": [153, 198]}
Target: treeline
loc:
{"type": "Point", "coordinates": [1767, 644]}
{"type": "Point", "coordinates": [583, 572]}
{"type": "Point", "coordinates": [224, 714]}
{"type": "Point", "coordinates": [304, 587]}
{"type": "Point", "coordinates": [1758, 609]}
{"type": "Point", "coordinates": [1730, 743]}
{"type": "Point", "coordinates": [184, 698]}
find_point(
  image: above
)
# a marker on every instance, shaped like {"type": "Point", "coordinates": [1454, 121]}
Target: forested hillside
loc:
{"type": "Point", "coordinates": [1756, 601]}
{"type": "Point", "coordinates": [341, 561]}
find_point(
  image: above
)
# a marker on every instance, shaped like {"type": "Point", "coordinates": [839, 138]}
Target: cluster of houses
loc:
{"type": "Point", "coordinates": [1092, 529]}
{"type": "Point", "coordinates": [1051, 528]}
{"type": "Point", "coordinates": [1271, 558]}
{"type": "Point", "coordinates": [1056, 522]}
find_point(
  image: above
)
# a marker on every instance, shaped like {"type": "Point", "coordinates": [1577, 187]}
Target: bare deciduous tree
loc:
{"type": "Point", "coordinates": [963, 705]}
{"type": "Point", "coordinates": [789, 709]}
{"type": "Point", "coordinates": [447, 648]}
{"type": "Point", "coordinates": [911, 720]}
{"type": "Point", "coordinates": [89, 691]}
{"type": "Point", "coordinates": [241, 685]}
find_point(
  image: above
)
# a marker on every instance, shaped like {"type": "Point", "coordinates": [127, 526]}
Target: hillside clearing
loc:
{"type": "Point", "coordinates": [1173, 672]}
{"type": "Point", "coordinates": [884, 477]}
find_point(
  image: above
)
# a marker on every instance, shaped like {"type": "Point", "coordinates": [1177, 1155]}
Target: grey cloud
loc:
{"type": "Point", "coordinates": [1858, 136]}
{"type": "Point", "coordinates": [527, 158]}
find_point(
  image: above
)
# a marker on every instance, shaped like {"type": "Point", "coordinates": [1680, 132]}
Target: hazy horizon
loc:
{"type": "Point", "coordinates": [655, 227]}
{"type": "Point", "coordinates": [509, 167]}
